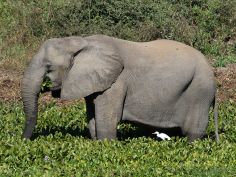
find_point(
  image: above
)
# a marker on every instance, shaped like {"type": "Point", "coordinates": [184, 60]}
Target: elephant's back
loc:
{"type": "Point", "coordinates": [169, 49]}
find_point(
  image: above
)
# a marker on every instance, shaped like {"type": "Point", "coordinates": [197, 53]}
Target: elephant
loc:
{"type": "Point", "coordinates": [161, 83]}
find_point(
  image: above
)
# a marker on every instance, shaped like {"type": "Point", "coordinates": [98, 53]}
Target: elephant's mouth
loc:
{"type": "Point", "coordinates": [56, 92]}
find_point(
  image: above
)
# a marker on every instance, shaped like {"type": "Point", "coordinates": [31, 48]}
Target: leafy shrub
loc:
{"type": "Point", "coordinates": [208, 25]}
{"type": "Point", "coordinates": [62, 148]}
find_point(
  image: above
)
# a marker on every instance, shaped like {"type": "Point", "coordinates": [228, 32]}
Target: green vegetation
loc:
{"type": "Point", "coordinates": [62, 148]}
{"type": "Point", "coordinates": [61, 145]}
{"type": "Point", "coordinates": [208, 25]}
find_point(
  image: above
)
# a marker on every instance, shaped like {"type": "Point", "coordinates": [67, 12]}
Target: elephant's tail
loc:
{"type": "Point", "coordinates": [216, 119]}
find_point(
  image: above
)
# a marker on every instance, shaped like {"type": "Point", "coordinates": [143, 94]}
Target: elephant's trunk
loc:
{"type": "Point", "coordinates": [31, 87]}
{"type": "Point", "coordinates": [30, 102]}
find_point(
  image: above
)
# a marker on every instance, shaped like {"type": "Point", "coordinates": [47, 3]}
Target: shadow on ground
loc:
{"type": "Point", "coordinates": [122, 133]}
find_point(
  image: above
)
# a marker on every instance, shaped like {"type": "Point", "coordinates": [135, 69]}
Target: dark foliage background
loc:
{"type": "Point", "coordinates": [208, 25]}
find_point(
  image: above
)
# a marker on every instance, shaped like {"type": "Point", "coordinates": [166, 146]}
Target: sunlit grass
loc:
{"type": "Point", "coordinates": [61, 146]}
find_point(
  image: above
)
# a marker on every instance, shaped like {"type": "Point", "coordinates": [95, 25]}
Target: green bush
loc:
{"type": "Point", "coordinates": [61, 147]}
{"type": "Point", "coordinates": [208, 25]}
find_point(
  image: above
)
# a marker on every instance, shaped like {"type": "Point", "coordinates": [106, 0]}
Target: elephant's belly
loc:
{"type": "Point", "coordinates": [162, 117]}
{"type": "Point", "coordinates": [152, 99]}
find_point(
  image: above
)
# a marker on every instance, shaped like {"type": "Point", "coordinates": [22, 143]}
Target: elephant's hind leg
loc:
{"type": "Point", "coordinates": [197, 121]}
{"type": "Point", "coordinates": [198, 100]}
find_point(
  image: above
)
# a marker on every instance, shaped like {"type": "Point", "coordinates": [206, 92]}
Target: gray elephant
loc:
{"type": "Point", "coordinates": [161, 83]}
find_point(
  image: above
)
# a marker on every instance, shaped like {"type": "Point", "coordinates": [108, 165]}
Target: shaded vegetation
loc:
{"type": "Point", "coordinates": [208, 25]}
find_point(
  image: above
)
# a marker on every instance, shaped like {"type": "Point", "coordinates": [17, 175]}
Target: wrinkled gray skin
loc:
{"type": "Point", "coordinates": [161, 83]}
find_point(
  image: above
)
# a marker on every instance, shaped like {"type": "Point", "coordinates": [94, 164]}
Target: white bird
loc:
{"type": "Point", "coordinates": [163, 136]}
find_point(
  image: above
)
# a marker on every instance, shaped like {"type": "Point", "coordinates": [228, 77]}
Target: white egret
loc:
{"type": "Point", "coordinates": [163, 136]}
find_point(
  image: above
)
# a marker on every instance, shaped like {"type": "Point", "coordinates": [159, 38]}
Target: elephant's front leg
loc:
{"type": "Point", "coordinates": [108, 111]}
{"type": "Point", "coordinates": [91, 116]}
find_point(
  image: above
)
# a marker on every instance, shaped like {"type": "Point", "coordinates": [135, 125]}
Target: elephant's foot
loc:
{"type": "Point", "coordinates": [194, 136]}
{"type": "Point", "coordinates": [106, 134]}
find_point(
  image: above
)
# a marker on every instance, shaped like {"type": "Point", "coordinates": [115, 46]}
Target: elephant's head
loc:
{"type": "Point", "coordinates": [76, 66]}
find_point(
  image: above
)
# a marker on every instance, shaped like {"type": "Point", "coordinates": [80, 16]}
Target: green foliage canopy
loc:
{"type": "Point", "coordinates": [208, 25]}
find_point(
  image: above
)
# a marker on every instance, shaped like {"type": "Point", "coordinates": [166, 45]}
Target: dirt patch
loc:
{"type": "Point", "coordinates": [226, 80]}
{"type": "Point", "coordinates": [47, 98]}
{"type": "Point", "coordinates": [10, 84]}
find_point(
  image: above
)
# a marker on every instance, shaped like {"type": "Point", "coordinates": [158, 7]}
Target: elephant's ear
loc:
{"type": "Point", "coordinates": [94, 69]}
